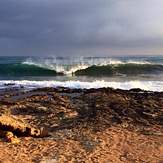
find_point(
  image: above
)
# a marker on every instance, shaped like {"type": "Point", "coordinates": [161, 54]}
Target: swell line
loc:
{"type": "Point", "coordinates": [128, 69]}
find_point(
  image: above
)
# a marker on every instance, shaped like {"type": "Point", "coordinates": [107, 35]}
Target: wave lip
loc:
{"type": "Point", "coordinates": [59, 68]}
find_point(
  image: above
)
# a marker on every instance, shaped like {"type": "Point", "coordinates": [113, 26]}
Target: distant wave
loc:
{"type": "Point", "coordinates": [146, 85]}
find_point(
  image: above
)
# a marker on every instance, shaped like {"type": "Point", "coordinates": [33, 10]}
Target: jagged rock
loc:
{"type": "Point", "coordinates": [83, 124]}
{"type": "Point", "coordinates": [42, 108]}
{"type": "Point", "coordinates": [11, 138]}
{"type": "Point", "coordinates": [20, 128]}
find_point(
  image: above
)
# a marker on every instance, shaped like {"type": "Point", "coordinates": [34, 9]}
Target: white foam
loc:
{"type": "Point", "coordinates": [139, 62]}
{"type": "Point", "coordinates": [146, 85]}
{"type": "Point", "coordinates": [69, 66]}
{"type": "Point", "coordinates": [58, 67]}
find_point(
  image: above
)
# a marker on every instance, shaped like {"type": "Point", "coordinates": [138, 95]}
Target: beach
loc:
{"type": "Point", "coordinates": [81, 125]}
{"type": "Point", "coordinates": [81, 81]}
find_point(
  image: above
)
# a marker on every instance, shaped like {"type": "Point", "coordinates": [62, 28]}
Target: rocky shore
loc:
{"type": "Point", "coordinates": [81, 125]}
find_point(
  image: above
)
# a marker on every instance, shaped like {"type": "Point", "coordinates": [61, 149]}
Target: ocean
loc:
{"type": "Point", "coordinates": [145, 72]}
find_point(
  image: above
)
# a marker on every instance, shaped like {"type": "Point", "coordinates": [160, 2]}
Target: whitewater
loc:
{"type": "Point", "coordinates": [29, 85]}
{"type": "Point", "coordinates": [145, 72]}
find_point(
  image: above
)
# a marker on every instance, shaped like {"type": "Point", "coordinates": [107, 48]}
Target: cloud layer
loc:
{"type": "Point", "coordinates": [75, 27]}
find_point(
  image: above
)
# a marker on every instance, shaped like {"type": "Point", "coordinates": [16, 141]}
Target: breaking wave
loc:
{"type": "Point", "coordinates": [89, 67]}
{"type": "Point", "coordinates": [128, 69]}
{"type": "Point", "coordinates": [145, 85]}
{"type": "Point", "coordinates": [98, 66]}
{"type": "Point", "coordinates": [25, 70]}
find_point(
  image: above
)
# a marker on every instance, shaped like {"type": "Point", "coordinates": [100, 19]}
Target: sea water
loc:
{"type": "Point", "coordinates": [145, 72]}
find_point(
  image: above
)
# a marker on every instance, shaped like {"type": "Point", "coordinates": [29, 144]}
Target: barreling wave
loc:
{"type": "Point", "coordinates": [66, 69]}
{"type": "Point", "coordinates": [98, 66]}
{"type": "Point", "coordinates": [25, 70]}
{"type": "Point", "coordinates": [129, 69]}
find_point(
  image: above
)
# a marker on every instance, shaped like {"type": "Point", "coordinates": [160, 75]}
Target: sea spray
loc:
{"type": "Point", "coordinates": [84, 72]}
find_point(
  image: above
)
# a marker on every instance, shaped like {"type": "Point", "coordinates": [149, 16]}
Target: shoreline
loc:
{"type": "Point", "coordinates": [89, 125]}
{"type": "Point", "coordinates": [146, 85]}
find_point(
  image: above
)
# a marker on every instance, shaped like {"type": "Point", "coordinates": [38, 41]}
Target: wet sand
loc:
{"type": "Point", "coordinates": [95, 125]}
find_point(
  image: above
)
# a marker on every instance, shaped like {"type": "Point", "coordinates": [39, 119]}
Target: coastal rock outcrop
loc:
{"type": "Point", "coordinates": [81, 125]}
{"type": "Point", "coordinates": [10, 124]}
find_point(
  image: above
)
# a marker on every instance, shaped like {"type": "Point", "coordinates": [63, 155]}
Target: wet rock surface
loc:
{"type": "Point", "coordinates": [79, 125]}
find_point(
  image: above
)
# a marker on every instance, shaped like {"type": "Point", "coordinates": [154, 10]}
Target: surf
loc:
{"type": "Point", "coordinates": [97, 66]}
{"type": "Point", "coordinates": [126, 85]}
{"type": "Point", "coordinates": [128, 69]}
{"type": "Point", "coordinates": [93, 66]}
{"type": "Point", "coordinates": [25, 70]}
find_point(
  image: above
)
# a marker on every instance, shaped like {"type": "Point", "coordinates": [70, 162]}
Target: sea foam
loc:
{"type": "Point", "coordinates": [145, 85]}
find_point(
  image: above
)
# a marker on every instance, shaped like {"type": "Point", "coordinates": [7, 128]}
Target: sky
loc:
{"type": "Point", "coordinates": [81, 27]}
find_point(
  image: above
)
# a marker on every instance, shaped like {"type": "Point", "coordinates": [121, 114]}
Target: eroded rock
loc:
{"type": "Point", "coordinates": [20, 128]}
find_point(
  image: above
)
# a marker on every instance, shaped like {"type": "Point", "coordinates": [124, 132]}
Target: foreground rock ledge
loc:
{"type": "Point", "coordinates": [20, 128]}
{"type": "Point", "coordinates": [74, 125]}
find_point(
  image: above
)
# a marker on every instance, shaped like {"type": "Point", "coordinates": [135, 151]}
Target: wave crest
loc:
{"type": "Point", "coordinates": [89, 67]}
{"type": "Point", "coordinates": [25, 70]}
{"type": "Point", "coordinates": [121, 69]}
{"type": "Point", "coordinates": [97, 66]}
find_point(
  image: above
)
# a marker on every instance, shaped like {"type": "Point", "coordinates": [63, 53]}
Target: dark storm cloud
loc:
{"type": "Point", "coordinates": [75, 27]}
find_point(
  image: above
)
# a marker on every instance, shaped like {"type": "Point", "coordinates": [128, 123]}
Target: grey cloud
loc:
{"type": "Point", "coordinates": [75, 27]}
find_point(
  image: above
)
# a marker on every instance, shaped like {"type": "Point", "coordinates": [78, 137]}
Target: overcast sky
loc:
{"type": "Point", "coordinates": [81, 27]}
